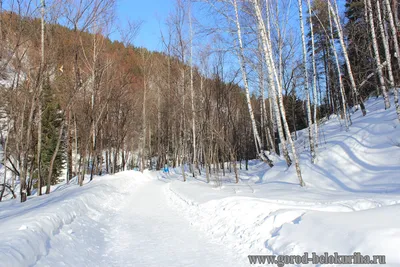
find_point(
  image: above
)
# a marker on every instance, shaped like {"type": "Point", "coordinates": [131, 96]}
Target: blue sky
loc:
{"type": "Point", "coordinates": [153, 14]}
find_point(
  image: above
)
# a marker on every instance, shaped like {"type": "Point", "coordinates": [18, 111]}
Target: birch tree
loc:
{"type": "Point", "coordinates": [341, 86]}
{"type": "Point", "coordinates": [396, 49]}
{"type": "Point", "coordinates": [336, 20]}
{"type": "Point", "coordinates": [242, 63]}
{"type": "Point", "coordinates": [146, 69]}
{"type": "Point", "coordinates": [385, 41]}
{"type": "Point", "coordinates": [275, 92]}
{"type": "Point", "coordinates": [192, 94]}
{"type": "Point", "coordinates": [267, 48]}
{"type": "Point", "coordinates": [377, 54]}
{"type": "Point", "coordinates": [39, 141]}
{"type": "Point", "coordinates": [264, 118]}
{"type": "Point", "coordinates": [314, 66]}
{"type": "Point", "coordinates": [306, 84]}
{"type": "Point", "coordinates": [5, 156]}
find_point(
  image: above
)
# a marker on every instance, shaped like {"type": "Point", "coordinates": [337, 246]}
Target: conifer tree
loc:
{"type": "Point", "coordinates": [51, 123]}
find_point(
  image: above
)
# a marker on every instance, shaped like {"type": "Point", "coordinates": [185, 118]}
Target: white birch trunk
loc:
{"type": "Point", "coordinates": [275, 95]}
{"type": "Point", "coordinates": [358, 99]}
{"type": "Point", "coordinates": [244, 75]}
{"type": "Point", "coordinates": [306, 85]}
{"type": "Point", "coordinates": [267, 48]}
{"type": "Point", "coordinates": [142, 165]}
{"type": "Point", "coordinates": [264, 117]}
{"type": "Point", "coordinates": [377, 54]}
{"type": "Point", "coordinates": [5, 155]}
{"type": "Point", "coordinates": [192, 94]}
{"type": "Point", "coordinates": [344, 103]}
{"type": "Point", "coordinates": [396, 49]}
{"type": "Point", "coordinates": [280, 74]}
{"type": "Point", "coordinates": [277, 101]}
{"type": "Point", "coordinates": [314, 73]}
{"type": "Point", "coordinates": [76, 165]}
{"type": "Point", "coordinates": [143, 144]}
{"type": "Point", "coordinates": [385, 41]}
{"type": "Point", "coordinates": [94, 91]}
{"type": "Point", "coordinates": [39, 141]}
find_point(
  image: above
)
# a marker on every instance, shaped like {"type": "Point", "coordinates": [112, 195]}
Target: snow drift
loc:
{"type": "Point", "coordinates": [27, 228]}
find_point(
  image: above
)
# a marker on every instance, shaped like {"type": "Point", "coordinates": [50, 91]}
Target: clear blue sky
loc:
{"type": "Point", "coordinates": [153, 14]}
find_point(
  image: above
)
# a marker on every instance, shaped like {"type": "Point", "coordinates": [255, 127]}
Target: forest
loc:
{"type": "Point", "coordinates": [74, 102]}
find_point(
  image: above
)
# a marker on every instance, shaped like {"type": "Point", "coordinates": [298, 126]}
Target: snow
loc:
{"type": "Point", "coordinates": [119, 220]}
{"type": "Point", "coordinates": [351, 204]}
{"type": "Point", "coordinates": [28, 229]}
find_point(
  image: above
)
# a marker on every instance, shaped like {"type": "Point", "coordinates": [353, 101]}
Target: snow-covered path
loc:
{"type": "Point", "coordinates": [147, 232]}
{"type": "Point", "coordinates": [142, 231]}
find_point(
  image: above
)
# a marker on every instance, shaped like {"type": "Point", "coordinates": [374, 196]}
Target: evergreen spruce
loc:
{"type": "Point", "coordinates": [51, 121]}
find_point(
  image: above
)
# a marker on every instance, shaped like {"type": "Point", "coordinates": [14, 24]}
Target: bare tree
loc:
{"type": "Point", "coordinates": [306, 85]}
{"type": "Point", "coordinates": [385, 41]}
{"type": "Point", "coordinates": [336, 19]}
{"type": "Point", "coordinates": [396, 49]}
{"type": "Point", "coordinates": [339, 71]}
{"type": "Point", "coordinates": [377, 54]}
{"type": "Point", "coordinates": [272, 70]}
{"type": "Point", "coordinates": [192, 94]}
{"type": "Point", "coordinates": [314, 66]}
{"type": "Point", "coordinates": [245, 81]}
{"type": "Point", "coordinates": [41, 73]}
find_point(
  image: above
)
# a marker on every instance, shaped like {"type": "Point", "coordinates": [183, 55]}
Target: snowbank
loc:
{"type": "Point", "coordinates": [26, 229]}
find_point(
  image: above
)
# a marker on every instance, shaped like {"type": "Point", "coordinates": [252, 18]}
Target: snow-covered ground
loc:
{"type": "Point", "coordinates": [351, 204]}
{"type": "Point", "coordinates": [120, 220]}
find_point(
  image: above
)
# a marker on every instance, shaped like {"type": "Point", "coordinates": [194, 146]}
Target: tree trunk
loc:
{"type": "Point", "coordinates": [53, 158]}
{"type": "Point", "coordinates": [396, 49]}
{"type": "Point", "coordinates": [377, 54]}
{"type": "Point", "coordinates": [344, 104]}
{"type": "Point", "coordinates": [41, 75]}
{"type": "Point", "coordinates": [264, 117]}
{"type": "Point", "coordinates": [24, 160]}
{"type": "Point", "coordinates": [346, 57]}
{"type": "Point", "coordinates": [246, 86]}
{"type": "Point", "coordinates": [314, 74]}
{"type": "Point", "coordinates": [306, 85]}
{"type": "Point", "coordinates": [69, 140]}
{"type": "Point", "coordinates": [192, 95]}
{"type": "Point", "coordinates": [5, 156]}
{"type": "Point", "coordinates": [76, 147]}
{"type": "Point", "coordinates": [267, 48]}
{"type": "Point", "coordinates": [142, 153]}
{"type": "Point", "coordinates": [385, 41]}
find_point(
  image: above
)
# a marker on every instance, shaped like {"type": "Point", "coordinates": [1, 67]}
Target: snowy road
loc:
{"type": "Point", "coordinates": [143, 231]}
{"type": "Point", "coordinates": [149, 233]}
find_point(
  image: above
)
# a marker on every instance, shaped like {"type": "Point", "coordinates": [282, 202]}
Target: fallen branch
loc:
{"type": "Point", "coordinates": [9, 188]}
